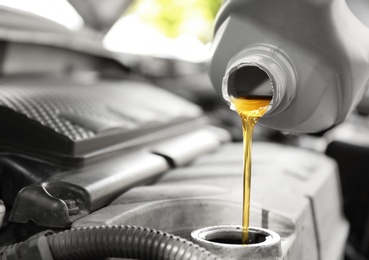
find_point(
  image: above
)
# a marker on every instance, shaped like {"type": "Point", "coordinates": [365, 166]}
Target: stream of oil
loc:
{"type": "Point", "coordinates": [250, 110]}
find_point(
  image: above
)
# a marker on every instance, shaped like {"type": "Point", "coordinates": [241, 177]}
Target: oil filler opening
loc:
{"type": "Point", "coordinates": [234, 237]}
{"type": "Point", "coordinates": [225, 241]}
{"type": "Point", "coordinates": [250, 82]}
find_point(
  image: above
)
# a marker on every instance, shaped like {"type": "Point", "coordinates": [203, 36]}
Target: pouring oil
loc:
{"type": "Point", "coordinates": [250, 110]}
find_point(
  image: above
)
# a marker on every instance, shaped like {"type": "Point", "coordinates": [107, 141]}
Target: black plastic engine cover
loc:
{"type": "Point", "coordinates": [64, 118]}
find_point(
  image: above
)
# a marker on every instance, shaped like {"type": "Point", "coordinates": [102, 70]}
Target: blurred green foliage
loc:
{"type": "Point", "coordinates": [178, 17]}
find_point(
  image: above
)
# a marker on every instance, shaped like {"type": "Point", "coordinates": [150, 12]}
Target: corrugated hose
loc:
{"type": "Point", "coordinates": [116, 241]}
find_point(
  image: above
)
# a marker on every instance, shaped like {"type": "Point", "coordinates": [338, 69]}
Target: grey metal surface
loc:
{"type": "Point", "coordinates": [2, 213]}
{"type": "Point", "coordinates": [73, 194]}
{"type": "Point", "coordinates": [24, 27]}
{"type": "Point", "coordinates": [70, 195]}
{"type": "Point", "coordinates": [100, 15]}
{"type": "Point", "coordinates": [185, 148]}
{"type": "Point", "coordinates": [294, 193]}
{"type": "Point", "coordinates": [31, 59]}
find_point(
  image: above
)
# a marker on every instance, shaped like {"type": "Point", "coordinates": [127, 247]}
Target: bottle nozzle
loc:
{"type": "Point", "coordinates": [261, 72]}
{"type": "Point", "coordinates": [247, 81]}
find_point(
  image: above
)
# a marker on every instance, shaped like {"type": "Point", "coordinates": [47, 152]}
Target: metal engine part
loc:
{"type": "Point", "coordinates": [295, 193]}
{"type": "Point", "coordinates": [2, 213]}
{"type": "Point", "coordinates": [225, 241]}
{"type": "Point", "coordinates": [193, 179]}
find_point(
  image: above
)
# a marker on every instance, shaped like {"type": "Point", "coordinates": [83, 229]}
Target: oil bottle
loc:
{"type": "Point", "coordinates": [310, 56]}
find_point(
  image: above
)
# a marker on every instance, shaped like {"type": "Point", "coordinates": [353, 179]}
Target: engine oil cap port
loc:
{"type": "Point", "coordinates": [226, 242]}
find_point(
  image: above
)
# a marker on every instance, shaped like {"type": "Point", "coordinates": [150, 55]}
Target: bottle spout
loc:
{"type": "Point", "coordinates": [247, 81]}
{"type": "Point", "coordinates": [260, 73]}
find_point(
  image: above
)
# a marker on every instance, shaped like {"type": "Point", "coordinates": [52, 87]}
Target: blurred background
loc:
{"type": "Point", "coordinates": [168, 42]}
{"type": "Point", "coordinates": [167, 29]}
{"type": "Point", "coordinates": [163, 43]}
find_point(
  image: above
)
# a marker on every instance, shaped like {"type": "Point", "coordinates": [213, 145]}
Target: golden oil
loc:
{"type": "Point", "coordinates": [250, 110]}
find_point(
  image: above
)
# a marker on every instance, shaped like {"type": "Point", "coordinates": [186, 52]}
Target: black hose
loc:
{"type": "Point", "coordinates": [123, 241]}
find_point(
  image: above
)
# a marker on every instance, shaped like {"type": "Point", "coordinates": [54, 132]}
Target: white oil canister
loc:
{"type": "Point", "coordinates": [311, 56]}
